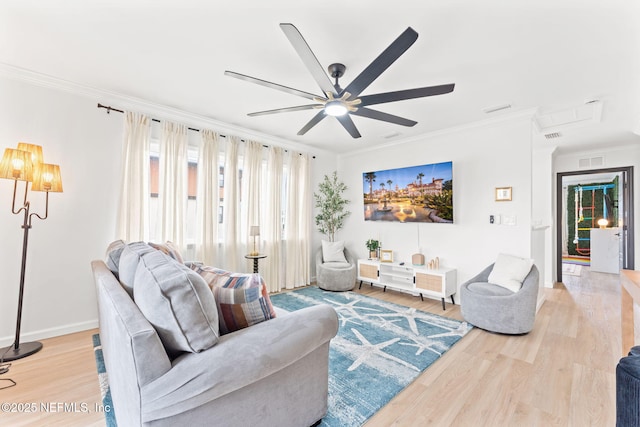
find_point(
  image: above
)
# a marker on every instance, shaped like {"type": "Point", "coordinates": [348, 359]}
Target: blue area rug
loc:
{"type": "Point", "coordinates": [380, 348]}
{"type": "Point", "coordinates": [107, 403]}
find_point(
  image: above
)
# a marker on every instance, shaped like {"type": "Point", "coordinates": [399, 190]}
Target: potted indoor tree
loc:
{"type": "Point", "coordinates": [331, 205]}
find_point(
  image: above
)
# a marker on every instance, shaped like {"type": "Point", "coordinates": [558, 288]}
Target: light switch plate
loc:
{"type": "Point", "coordinates": [509, 220]}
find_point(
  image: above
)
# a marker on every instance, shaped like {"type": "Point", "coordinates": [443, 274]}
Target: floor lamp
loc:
{"type": "Point", "coordinates": [25, 164]}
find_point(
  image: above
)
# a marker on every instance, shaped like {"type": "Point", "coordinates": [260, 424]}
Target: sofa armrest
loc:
{"type": "Point", "coordinates": [238, 360]}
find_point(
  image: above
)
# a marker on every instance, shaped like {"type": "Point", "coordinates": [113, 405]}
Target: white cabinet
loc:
{"type": "Point", "coordinates": [605, 250]}
{"type": "Point", "coordinates": [438, 283]}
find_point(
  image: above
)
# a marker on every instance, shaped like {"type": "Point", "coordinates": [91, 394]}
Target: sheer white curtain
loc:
{"type": "Point", "coordinates": [208, 199]}
{"type": "Point", "coordinates": [297, 226]}
{"type": "Point", "coordinates": [133, 214]}
{"type": "Point", "coordinates": [276, 195]}
{"type": "Point", "coordinates": [306, 210]}
{"type": "Point", "coordinates": [272, 225]}
{"type": "Point", "coordinates": [173, 191]}
{"type": "Point", "coordinates": [252, 181]}
{"type": "Point", "coordinates": [231, 211]}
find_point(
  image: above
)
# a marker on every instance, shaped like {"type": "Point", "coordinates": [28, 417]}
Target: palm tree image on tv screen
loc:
{"type": "Point", "coordinates": [412, 194]}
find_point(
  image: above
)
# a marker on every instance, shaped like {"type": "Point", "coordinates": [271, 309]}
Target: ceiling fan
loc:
{"type": "Point", "coordinates": [339, 102]}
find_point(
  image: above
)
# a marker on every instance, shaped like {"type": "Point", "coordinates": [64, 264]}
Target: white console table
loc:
{"type": "Point", "coordinates": [438, 283]}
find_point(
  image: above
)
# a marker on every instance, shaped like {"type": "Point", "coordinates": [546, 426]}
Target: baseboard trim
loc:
{"type": "Point", "coordinates": [51, 332]}
{"type": "Point", "coordinates": [541, 301]}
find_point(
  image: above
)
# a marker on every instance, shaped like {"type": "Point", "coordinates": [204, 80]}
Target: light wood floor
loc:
{"type": "Point", "coordinates": [561, 374]}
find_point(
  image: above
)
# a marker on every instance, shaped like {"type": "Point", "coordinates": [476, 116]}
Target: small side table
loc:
{"type": "Point", "coordinates": [255, 259]}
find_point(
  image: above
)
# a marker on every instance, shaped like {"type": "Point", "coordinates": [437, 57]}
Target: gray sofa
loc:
{"type": "Point", "coordinates": [273, 373]}
{"type": "Point", "coordinates": [496, 309]}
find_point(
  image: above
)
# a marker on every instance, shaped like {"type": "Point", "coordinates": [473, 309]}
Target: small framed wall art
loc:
{"type": "Point", "coordinates": [386, 255]}
{"type": "Point", "coordinates": [503, 194]}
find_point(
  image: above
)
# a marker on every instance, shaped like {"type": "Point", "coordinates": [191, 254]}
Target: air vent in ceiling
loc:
{"type": "Point", "coordinates": [591, 162]}
{"type": "Point", "coordinates": [552, 135]}
{"type": "Point", "coordinates": [495, 109]}
{"type": "Point", "coordinates": [555, 121]}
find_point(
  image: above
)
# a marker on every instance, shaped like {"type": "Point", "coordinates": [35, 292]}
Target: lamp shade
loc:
{"type": "Point", "coordinates": [16, 164]}
{"type": "Point", "coordinates": [254, 231]}
{"type": "Point", "coordinates": [35, 150]}
{"type": "Point", "coordinates": [46, 177]}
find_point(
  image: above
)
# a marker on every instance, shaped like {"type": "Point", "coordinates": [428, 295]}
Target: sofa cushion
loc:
{"type": "Point", "coordinates": [333, 251]}
{"type": "Point", "coordinates": [112, 256]}
{"type": "Point", "coordinates": [169, 248]}
{"type": "Point", "coordinates": [242, 299]}
{"type": "Point", "coordinates": [128, 263]}
{"type": "Point", "coordinates": [177, 302]}
{"type": "Point", "coordinates": [509, 271]}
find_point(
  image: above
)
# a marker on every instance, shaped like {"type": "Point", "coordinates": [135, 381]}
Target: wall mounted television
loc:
{"type": "Point", "coordinates": [411, 194]}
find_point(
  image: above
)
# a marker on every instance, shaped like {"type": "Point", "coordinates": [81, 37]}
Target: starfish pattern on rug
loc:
{"type": "Point", "coordinates": [460, 331]}
{"type": "Point", "coordinates": [368, 350]}
{"type": "Point", "coordinates": [425, 344]}
{"type": "Point", "coordinates": [436, 347]}
{"type": "Point", "coordinates": [386, 322]}
{"type": "Point", "coordinates": [348, 311]}
{"type": "Point", "coordinates": [410, 315]}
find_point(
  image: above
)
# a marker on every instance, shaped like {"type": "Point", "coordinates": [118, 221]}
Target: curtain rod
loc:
{"type": "Point", "coordinates": [110, 109]}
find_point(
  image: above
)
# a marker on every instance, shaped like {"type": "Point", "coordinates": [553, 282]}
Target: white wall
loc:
{"type": "Point", "coordinates": [59, 293]}
{"type": "Point", "coordinates": [542, 203]}
{"type": "Point", "coordinates": [87, 143]}
{"type": "Point", "coordinates": [322, 165]}
{"type": "Point", "coordinates": [484, 157]}
{"type": "Point", "coordinates": [613, 157]}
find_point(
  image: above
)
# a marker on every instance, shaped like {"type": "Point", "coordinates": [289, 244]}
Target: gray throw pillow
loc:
{"type": "Point", "coordinates": [128, 263]}
{"type": "Point", "coordinates": [112, 257]}
{"type": "Point", "coordinates": [177, 302]}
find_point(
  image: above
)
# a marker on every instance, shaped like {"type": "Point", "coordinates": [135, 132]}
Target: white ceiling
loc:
{"type": "Point", "coordinates": [553, 55]}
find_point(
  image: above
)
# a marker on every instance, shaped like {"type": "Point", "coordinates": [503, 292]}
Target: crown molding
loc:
{"type": "Point", "coordinates": [526, 114]}
{"type": "Point", "coordinates": [159, 111]}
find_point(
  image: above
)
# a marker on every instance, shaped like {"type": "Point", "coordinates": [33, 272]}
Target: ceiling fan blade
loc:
{"type": "Point", "coordinates": [314, 121]}
{"type": "Point", "coordinates": [308, 58]}
{"type": "Point", "coordinates": [385, 117]}
{"type": "Point", "coordinates": [382, 62]}
{"type": "Point", "coordinates": [272, 85]}
{"type": "Point", "coordinates": [381, 98]}
{"type": "Point", "coordinates": [285, 110]}
{"type": "Point", "coordinates": [349, 125]}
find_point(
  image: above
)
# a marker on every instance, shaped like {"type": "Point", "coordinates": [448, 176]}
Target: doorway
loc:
{"type": "Point", "coordinates": [582, 199]}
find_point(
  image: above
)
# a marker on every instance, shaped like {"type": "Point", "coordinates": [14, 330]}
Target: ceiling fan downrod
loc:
{"type": "Point", "coordinates": [336, 71]}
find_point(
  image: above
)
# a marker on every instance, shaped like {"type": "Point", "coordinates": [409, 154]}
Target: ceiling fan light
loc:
{"type": "Point", "coordinates": [335, 108]}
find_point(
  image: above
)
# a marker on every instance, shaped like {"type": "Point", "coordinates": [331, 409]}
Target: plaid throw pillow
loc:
{"type": "Point", "coordinates": [168, 248]}
{"type": "Point", "coordinates": [242, 299]}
